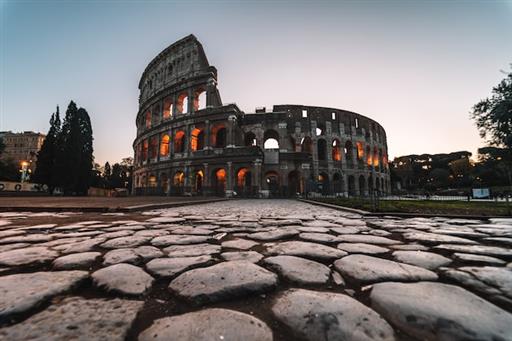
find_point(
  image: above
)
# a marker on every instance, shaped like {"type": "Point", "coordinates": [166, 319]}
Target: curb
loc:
{"type": "Point", "coordinates": [336, 207]}
{"type": "Point", "coordinates": [106, 209]}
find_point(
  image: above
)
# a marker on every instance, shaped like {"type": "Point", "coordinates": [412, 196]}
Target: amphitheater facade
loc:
{"type": "Point", "coordinates": [189, 143]}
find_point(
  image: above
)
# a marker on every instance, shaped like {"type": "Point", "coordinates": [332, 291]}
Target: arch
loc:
{"type": "Point", "coordinates": [164, 145]}
{"type": "Point", "coordinates": [152, 180]}
{"type": "Point", "coordinates": [306, 145]}
{"type": "Point", "coordinates": [348, 150]}
{"type": "Point", "coordinates": [351, 185]}
{"type": "Point", "coordinates": [272, 183]}
{"type": "Point", "coordinates": [153, 147]}
{"type": "Point", "coordinates": [148, 119]}
{"type": "Point", "coordinates": [244, 181]}
{"type": "Point", "coordinates": [323, 183]}
{"type": "Point", "coordinates": [250, 139]}
{"type": "Point", "coordinates": [198, 181]}
{"type": "Point", "coordinates": [178, 179]}
{"type": "Point", "coordinates": [199, 99]}
{"type": "Point", "coordinates": [375, 158]}
{"type": "Point", "coordinates": [219, 181]}
{"type": "Point", "coordinates": [179, 141]}
{"type": "Point", "coordinates": [145, 147]}
{"type": "Point", "coordinates": [143, 182]}
{"type": "Point", "coordinates": [362, 185]}
{"type": "Point", "coordinates": [337, 183]}
{"type": "Point", "coordinates": [167, 112]}
{"type": "Point", "coordinates": [368, 156]}
{"type": "Point", "coordinates": [197, 139]}
{"type": "Point", "coordinates": [182, 103]}
{"type": "Point", "coordinates": [295, 183]}
{"type": "Point", "coordinates": [360, 150]}
{"type": "Point", "coordinates": [336, 150]}
{"type": "Point", "coordinates": [271, 139]}
{"type": "Point", "coordinates": [322, 149]}
{"type": "Point", "coordinates": [218, 136]}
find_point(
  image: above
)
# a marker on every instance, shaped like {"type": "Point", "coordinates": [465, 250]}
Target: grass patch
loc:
{"type": "Point", "coordinates": [425, 206]}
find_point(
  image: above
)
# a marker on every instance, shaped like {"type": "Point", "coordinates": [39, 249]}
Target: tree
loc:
{"type": "Point", "coordinates": [494, 115]}
{"type": "Point", "coordinates": [8, 168]}
{"type": "Point", "coordinates": [107, 173]}
{"type": "Point", "coordinates": [46, 157]}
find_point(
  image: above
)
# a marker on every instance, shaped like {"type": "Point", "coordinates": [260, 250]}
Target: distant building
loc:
{"type": "Point", "coordinates": [22, 148]}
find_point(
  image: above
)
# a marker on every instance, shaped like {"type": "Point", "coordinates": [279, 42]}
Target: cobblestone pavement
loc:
{"type": "Point", "coordinates": [253, 270]}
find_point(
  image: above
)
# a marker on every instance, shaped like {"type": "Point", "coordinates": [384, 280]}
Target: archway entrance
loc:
{"type": "Point", "coordinates": [244, 182]}
{"type": "Point", "coordinates": [219, 181]}
{"type": "Point", "coordinates": [295, 183]}
{"type": "Point", "coordinates": [198, 182]}
{"type": "Point", "coordinates": [272, 184]}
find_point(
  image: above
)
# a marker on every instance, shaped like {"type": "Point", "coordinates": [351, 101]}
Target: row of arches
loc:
{"type": "Point", "coordinates": [184, 102]}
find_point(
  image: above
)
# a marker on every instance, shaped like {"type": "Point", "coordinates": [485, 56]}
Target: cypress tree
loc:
{"type": "Point", "coordinates": [67, 159]}
{"type": "Point", "coordinates": [46, 157]}
{"type": "Point", "coordinates": [86, 159]}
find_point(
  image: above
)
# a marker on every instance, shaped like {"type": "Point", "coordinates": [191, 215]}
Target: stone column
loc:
{"type": "Point", "coordinates": [174, 110]}
{"type": "Point", "coordinates": [206, 178]}
{"type": "Point", "coordinates": [230, 143]}
{"type": "Point", "coordinates": [207, 141]}
{"type": "Point", "coordinates": [190, 100]}
{"type": "Point", "coordinates": [257, 176]}
{"type": "Point", "coordinates": [229, 179]}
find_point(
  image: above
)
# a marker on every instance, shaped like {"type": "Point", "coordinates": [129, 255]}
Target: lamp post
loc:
{"type": "Point", "coordinates": [24, 171]}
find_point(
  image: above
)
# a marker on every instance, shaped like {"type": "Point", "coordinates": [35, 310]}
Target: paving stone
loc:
{"type": "Point", "coordinates": [241, 244]}
{"type": "Point", "coordinates": [493, 281]}
{"type": "Point", "coordinates": [31, 238]}
{"type": "Point", "coordinates": [170, 267]}
{"type": "Point", "coordinates": [179, 239]}
{"type": "Point", "coordinates": [281, 233]}
{"type": "Point", "coordinates": [347, 230]}
{"type": "Point", "coordinates": [457, 232]}
{"type": "Point", "coordinates": [76, 261]}
{"type": "Point", "coordinates": [191, 231]}
{"type": "Point", "coordinates": [121, 256]}
{"type": "Point", "coordinates": [206, 325]}
{"type": "Point", "coordinates": [427, 260]}
{"type": "Point", "coordinates": [167, 220]}
{"type": "Point", "coordinates": [367, 239]}
{"type": "Point", "coordinates": [409, 247]}
{"type": "Point", "coordinates": [125, 242]}
{"type": "Point", "coordinates": [192, 250]}
{"type": "Point", "coordinates": [8, 247]}
{"type": "Point", "coordinates": [500, 240]}
{"type": "Point", "coordinates": [223, 281]}
{"type": "Point", "coordinates": [304, 249]}
{"type": "Point", "coordinates": [249, 256]}
{"type": "Point", "coordinates": [372, 269]}
{"type": "Point", "coordinates": [123, 278]}
{"type": "Point", "coordinates": [432, 238]}
{"type": "Point", "coordinates": [436, 311]}
{"type": "Point", "coordinates": [362, 248]}
{"type": "Point", "coordinates": [147, 252]}
{"type": "Point", "coordinates": [117, 234]}
{"type": "Point", "coordinates": [28, 255]}
{"type": "Point", "coordinates": [151, 233]}
{"type": "Point", "coordinates": [477, 249]}
{"type": "Point", "coordinates": [299, 270]}
{"type": "Point", "coordinates": [323, 316]}
{"type": "Point", "coordinates": [470, 258]}
{"type": "Point", "coordinates": [22, 292]}
{"type": "Point", "coordinates": [319, 237]}
{"type": "Point", "coordinates": [85, 246]}
{"type": "Point", "coordinates": [76, 318]}
{"type": "Point", "coordinates": [313, 229]}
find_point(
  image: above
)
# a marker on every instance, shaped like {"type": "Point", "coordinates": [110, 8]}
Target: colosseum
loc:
{"type": "Point", "coordinates": [190, 143]}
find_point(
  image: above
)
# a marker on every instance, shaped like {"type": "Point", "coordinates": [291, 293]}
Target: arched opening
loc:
{"type": "Point", "coordinates": [219, 136]}
{"type": "Point", "coordinates": [351, 186]}
{"type": "Point", "coordinates": [152, 180]}
{"type": "Point", "coordinates": [370, 184]}
{"type": "Point", "coordinates": [143, 180]}
{"type": "Point", "coordinates": [337, 183]}
{"type": "Point", "coordinates": [179, 142]}
{"type": "Point", "coordinates": [322, 150]}
{"type": "Point", "coordinates": [323, 183]}
{"type": "Point", "coordinates": [271, 139]}
{"type": "Point", "coordinates": [219, 181]}
{"type": "Point", "coordinates": [198, 181]}
{"type": "Point", "coordinates": [292, 144]}
{"type": "Point", "coordinates": [199, 99]}
{"type": "Point", "coordinates": [368, 156]}
{"type": "Point", "coordinates": [375, 158]}
{"type": "Point", "coordinates": [295, 183]}
{"type": "Point", "coordinates": [167, 113]}
{"type": "Point", "coordinates": [145, 147]}
{"type": "Point", "coordinates": [197, 139]}
{"type": "Point", "coordinates": [336, 150]}
{"type": "Point", "coordinates": [348, 150]}
{"type": "Point", "coordinates": [250, 139]}
{"type": "Point", "coordinates": [178, 182]}
{"type": "Point", "coordinates": [362, 186]}
{"type": "Point", "coordinates": [164, 145]}
{"type": "Point", "coordinates": [164, 182]}
{"type": "Point", "coordinates": [306, 145]}
{"type": "Point", "coordinates": [148, 119]}
{"type": "Point", "coordinates": [272, 183]}
{"type": "Point", "coordinates": [182, 103]}
{"type": "Point", "coordinates": [153, 147]}
{"type": "Point", "coordinates": [360, 150]}
{"type": "Point", "coordinates": [243, 181]}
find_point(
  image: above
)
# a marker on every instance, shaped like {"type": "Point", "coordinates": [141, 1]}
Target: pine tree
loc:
{"type": "Point", "coordinates": [85, 166]}
{"type": "Point", "coordinates": [45, 164]}
{"type": "Point", "coordinates": [67, 158]}
{"type": "Point", "coordinates": [107, 173]}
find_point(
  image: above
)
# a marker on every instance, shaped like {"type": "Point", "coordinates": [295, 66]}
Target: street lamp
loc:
{"type": "Point", "coordinates": [24, 171]}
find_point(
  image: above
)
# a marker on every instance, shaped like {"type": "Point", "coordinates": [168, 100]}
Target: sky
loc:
{"type": "Point", "coordinates": [416, 67]}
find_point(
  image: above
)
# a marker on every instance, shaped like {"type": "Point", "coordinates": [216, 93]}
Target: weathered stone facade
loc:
{"type": "Point", "coordinates": [188, 142]}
